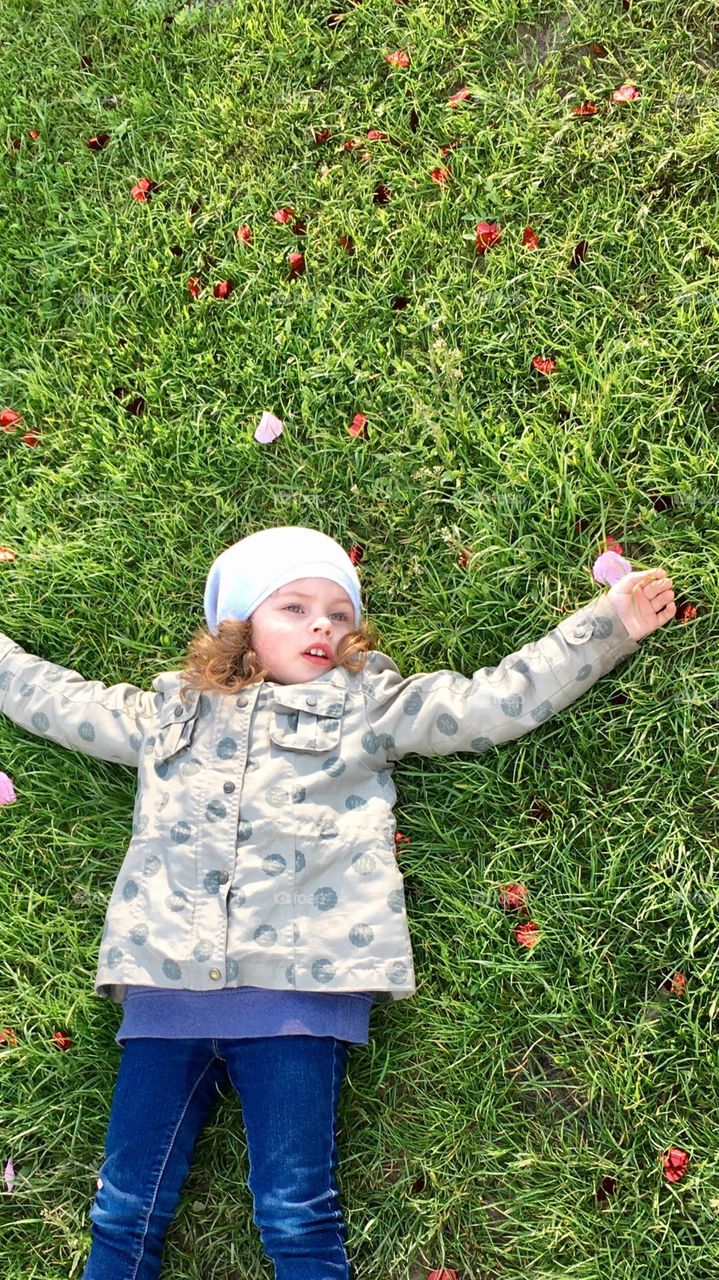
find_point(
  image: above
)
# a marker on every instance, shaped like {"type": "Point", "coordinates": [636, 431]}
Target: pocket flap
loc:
{"type": "Point", "coordinates": [175, 711]}
{"type": "Point", "coordinates": [317, 701]}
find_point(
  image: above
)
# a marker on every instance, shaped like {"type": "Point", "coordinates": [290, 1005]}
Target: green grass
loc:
{"type": "Point", "coordinates": [479, 1122]}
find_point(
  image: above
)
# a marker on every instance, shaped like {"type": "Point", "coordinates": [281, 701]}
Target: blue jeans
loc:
{"type": "Point", "coordinates": [289, 1089]}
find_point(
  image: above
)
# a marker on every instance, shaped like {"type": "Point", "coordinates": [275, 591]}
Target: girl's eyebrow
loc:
{"type": "Point", "coordinates": [306, 595]}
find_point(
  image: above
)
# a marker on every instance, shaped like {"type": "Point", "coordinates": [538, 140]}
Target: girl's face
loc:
{"type": "Point", "coordinates": [304, 614]}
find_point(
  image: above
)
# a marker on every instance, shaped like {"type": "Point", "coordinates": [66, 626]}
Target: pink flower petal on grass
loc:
{"type": "Point", "coordinates": [269, 429]}
{"type": "Point", "coordinates": [10, 1174]}
{"type": "Point", "coordinates": [609, 567]}
{"type": "Point", "coordinates": [7, 791]}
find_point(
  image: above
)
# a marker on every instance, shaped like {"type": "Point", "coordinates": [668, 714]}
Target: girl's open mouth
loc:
{"type": "Point", "coordinates": [313, 657]}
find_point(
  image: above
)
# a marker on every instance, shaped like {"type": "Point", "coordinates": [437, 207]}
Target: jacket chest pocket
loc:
{"type": "Point", "coordinates": [175, 725]}
{"type": "Point", "coordinates": [304, 720]}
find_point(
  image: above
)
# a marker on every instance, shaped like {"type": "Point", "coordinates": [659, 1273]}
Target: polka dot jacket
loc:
{"type": "Point", "coordinates": [262, 849]}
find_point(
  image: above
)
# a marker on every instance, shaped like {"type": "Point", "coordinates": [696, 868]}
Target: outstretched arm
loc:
{"type": "Point", "coordinates": [58, 704]}
{"type": "Point", "coordinates": [443, 712]}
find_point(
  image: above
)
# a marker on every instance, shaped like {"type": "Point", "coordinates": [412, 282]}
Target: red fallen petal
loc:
{"type": "Point", "coordinates": [486, 235]}
{"type": "Point", "coordinates": [627, 93]}
{"type": "Point", "coordinates": [142, 189]}
{"type": "Point", "coordinates": [223, 288]}
{"type": "Point", "coordinates": [460, 96]}
{"type": "Point", "coordinates": [586, 109]}
{"type": "Point", "coordinates": [7, 554]}
{"type": "Point", "coordinates": [347, 244]}
{"type": "Point", "coordinates": [613, 545]}
{"type": "Point", "coordinates": [381, 194]}
{"type": "Point", "coordinates": [598, 50]}
{"type": "Point", "coordinates": [398, 59]}
{"type": "Point", "coordinates": [350, 144]}
{"type": "Point", "coordinates": [322, 135]}
{"type": "Point", "coordinates": [674, 1163]}
{"type": "Point", "coordinates": [244, 234]}
{"type": "Point", "coordinates": [7, 1036]}
{"type": "Point", "coordinates": [297, 265]}
{"type": "Point", "coordinates": [463, 558]}
{"type": "Point", "coordinates": [442, 1274]}
{"type": "Point", "coordinates": [34, 134]}
{"type": "Point", "coordinates": [30, 437]}
{"type": "Point", "coordinates": [678, 983]}
{"type": "Point", "coordinates": [284, 215]}
{"type": "Point", "coordinates": [375, 134]}
{"type": "Point", "coordinates": [440, 175]}
{"type": "Point", "coordinates": [96, 144]}
{"type": "Point", "coordinates": [194, 285]}
{"type": "Point", "coordinates": [62, 1040]}
{"type": "Point", "coordinates": [530, 238]}
{"type": "Point", "coordinates": [400, 839]}
{"type": "Point", "coordinates": [8, 419]}
{"type": "Point", "coordinates": [544, 365]}
{"type": "Point", "coordinates": [685, 612]}
{"type": "Point", "coordinates": [513, 896]}
{"type": "Point", "coordinates": [528, 934]}
{"type": "Point", "coordinates": [356, 427]}
{"type": "Point", "coordinates": [356, 553]}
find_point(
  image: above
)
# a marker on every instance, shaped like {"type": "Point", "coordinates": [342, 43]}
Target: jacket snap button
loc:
{"type": "Point", "coordinates": [178, 711]}
{"type": "Point", "coordinates": [215, 973]}
{"type": "Point", "coordinates": [224, 877]}
{"type": "Point", "coordinates": [311, 701]}
{"type": "Point", "coordinates": [228, 788]}
{"type": "Point", "coordinates": [242, 702]}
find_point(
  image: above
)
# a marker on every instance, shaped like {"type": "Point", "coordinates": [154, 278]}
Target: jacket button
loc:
{"type": "Point", "coordinates": [311, 700]}
{"type": "Point", "coordinates": [178, 711]}
{"type": "Point", "coordinates": [215, 973]}
{"type": "Point", "coordinates": [228, 788]}
{"type": "Point", "coordinates": [241, 702]}
{"type": "Point", "coordinates": [223, 878]}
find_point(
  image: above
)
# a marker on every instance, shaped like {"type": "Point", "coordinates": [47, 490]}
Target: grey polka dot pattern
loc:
{"type": "Point", "coordinates": [299, 795]}
{"type": "Point", "coordinates": [355, 802]}
{"type": "Point", "coordinates": [542, 712]}
{"type": "Point", "coordinates": [512, 706]}
{"type": "Point", "coordinates": [181, 832]}
{"type": "Point", "coordinates": [215, 811]}
{"type": "Point", "coordinates": [395, 900]}
{"type": "Point", "coordinates": [141, 824]}
{"type": "Point", "coordinates": [413, 704]}
{"type": "Point", "coordinates": [602, 627]}
{"type": "Point", "coordinates": [277, 797]}
{"type": "Point", "coordinates": [227, 749]}
{"type": "Point", "coordinates": [171, 970]}
{"type": "Point", "coordinates": [212, 881]}
{"type": "Point", "coordinates": [130, 890]}
{"type": "Point", "coordinates": [177, 901]}
{"type": "Point", "coordinates": [152, 864]}
{"type": "Point", "coordinates": [334, 766]}
{"type": "Point", "coordinates": [447, 725]}
{"type": "Point", "coordinates": [274, 864]}
{"type": "Point", "coordinates": [40, 722]}
{"type": "Point", "coordinates": [584, 672]}
{"type": "Point", "coordinates": [324, 899]}
{"type": "Point", "coordinates": [202, 951]}
{"type": "Point", "coordinates": [481, 744]}
{"type": "Point", "coordinates": [86, 730]}
{"type": "Point", "coordinates": [360, 935]}
{"type": "Point", "coordinates": [370, 743]}
{"type": "Point", "coordinates": [114, 956]}
{"type": "Point", "coordinates": [327, 829]}
{"type": "Point", "coordinates": [363, 863]}
{"type": "Point", "coordinates": [397, 973]}
{"type": "Point", "coordinates": [138, 934]}
{"type": "Point", "coordinates": [244, 832]}
{"type": "Point", "coordinates": [266, 936]}
{"type": "Point", "coordinates": [521, 666]}
{"type": "Point", "coordinates": [232, 970]}
{"type": "Point", "coordinates": [323, 970]}
{"type": "Point", "coordinates": [299, 861]}
{"type": "Point", "coordinates": [5, 678]}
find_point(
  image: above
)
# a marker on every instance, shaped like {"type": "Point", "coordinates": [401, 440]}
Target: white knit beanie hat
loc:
{"type": "Point", "coordinates": [246, 573]}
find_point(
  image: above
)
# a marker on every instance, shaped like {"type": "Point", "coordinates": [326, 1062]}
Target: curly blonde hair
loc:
{"type": "Point", "coordinates": [227, 662]}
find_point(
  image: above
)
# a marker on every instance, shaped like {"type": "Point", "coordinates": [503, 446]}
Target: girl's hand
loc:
{"type": "Point", "coordinates": [644, 601]}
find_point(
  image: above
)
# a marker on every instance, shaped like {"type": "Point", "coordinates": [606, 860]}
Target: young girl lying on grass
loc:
{"type": "Point", "coordinates": [260, 909]}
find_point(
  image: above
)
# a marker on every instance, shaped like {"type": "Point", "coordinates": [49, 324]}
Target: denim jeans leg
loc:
{"type": "Point", "coordinates": [164, 1093]}
{"type": "Point", "coordinates": [289, 1089]}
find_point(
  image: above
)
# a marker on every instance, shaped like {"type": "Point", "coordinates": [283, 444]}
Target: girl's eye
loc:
{"type": "Point", "coordinates": [341, 615]}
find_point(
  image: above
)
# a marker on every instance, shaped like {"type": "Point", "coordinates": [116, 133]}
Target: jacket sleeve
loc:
{"type": "Point", "coordinates": [443, 712]}
{"type": "Point", "coordinates": [59, 705]}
